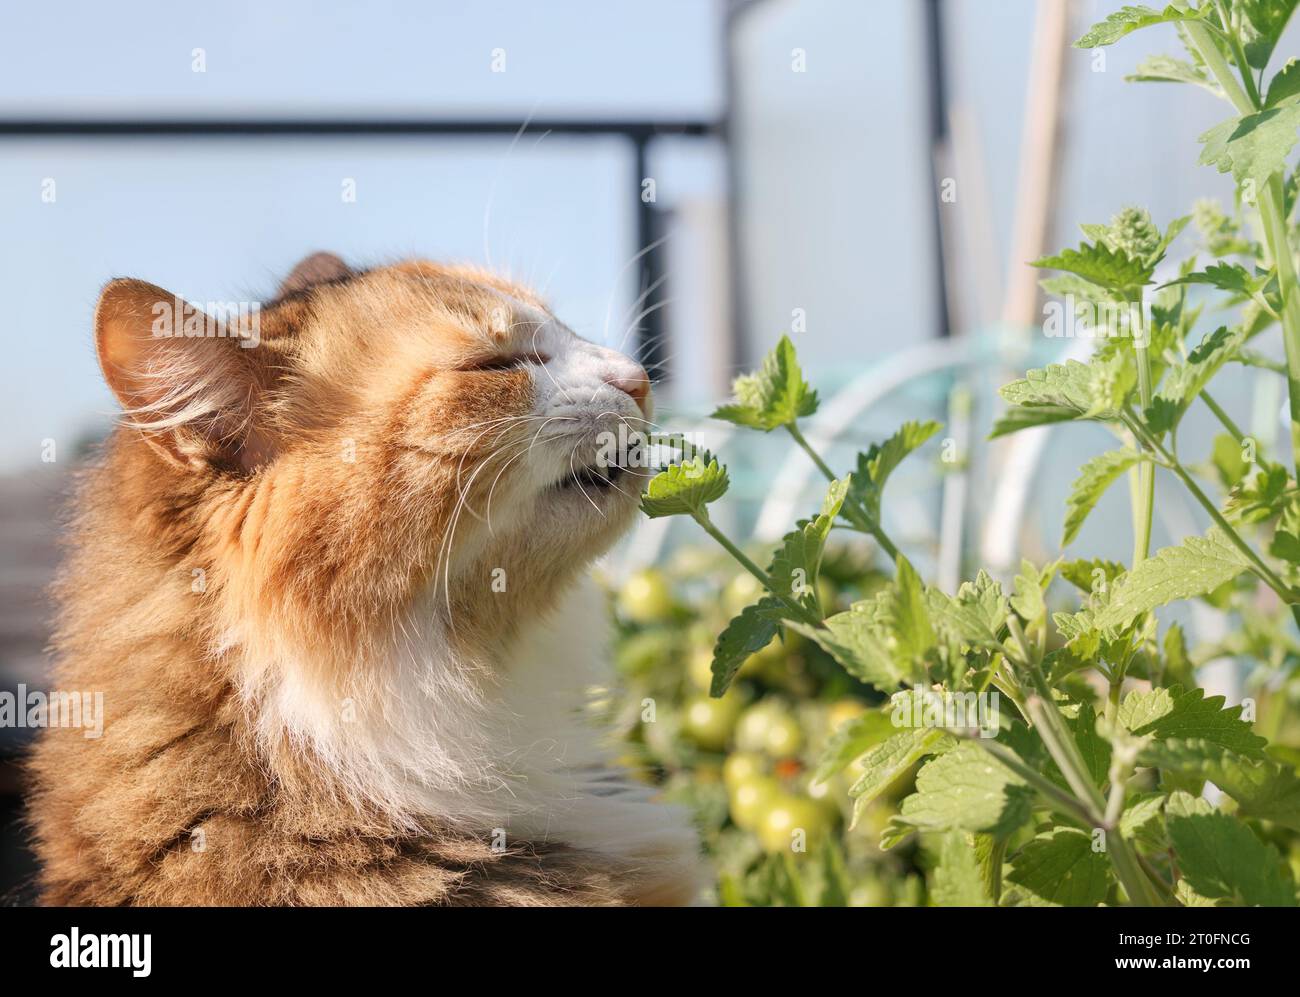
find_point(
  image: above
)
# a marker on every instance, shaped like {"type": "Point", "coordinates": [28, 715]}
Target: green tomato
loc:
{"type": "Point", "coordinates": [749, 800]}
{"type": "Point", "coordinates": [742, 767]}
{"type": "Point", "coordinates": [700, 668]}
{"type": "Point", "coordinates": [646, 597]}
{"type": "Point", "coordinates": [743, 590]}
{"type": "Point", "coordinates": [784, 737]}
{"type": "Point", "coordinates": [709, 722]}
{"type": "Point", "coordinates": [770, 728]}
{"type": "Point", "coordinates": [787, 815]}
{"type": "Point", "coordinates": [842, 712]}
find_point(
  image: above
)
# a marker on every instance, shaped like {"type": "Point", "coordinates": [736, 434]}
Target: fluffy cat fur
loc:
{"type": "Point", "coordinates": [281, 576]}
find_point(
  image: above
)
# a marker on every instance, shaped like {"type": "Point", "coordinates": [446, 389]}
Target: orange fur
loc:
{"type": "Point", "coordinates": [319, 496]}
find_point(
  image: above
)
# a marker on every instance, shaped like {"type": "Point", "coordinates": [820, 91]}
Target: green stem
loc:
{"type": "Point", "coordinates": [1257, 564]}
{"type": "Point", "coordinates": [1238, 53]}
{"type": "Point", "coordinates": [853, 512]}
{"type": "Point", "coordinates": [706, 524]}
{"type": "Point", "coordinates": [1056, 797]}
{"type": "Point", "coordinates": [1223, 416]}
{"type": "Point", "coordinates": [1271, 211]}
{"type": "Point", "coordinates": [1146, 493]}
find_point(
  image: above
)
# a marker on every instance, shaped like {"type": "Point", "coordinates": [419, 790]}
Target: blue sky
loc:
{"type": "Point", "coordinates": [834, 161]}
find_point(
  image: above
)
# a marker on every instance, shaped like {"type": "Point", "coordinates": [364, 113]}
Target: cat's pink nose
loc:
{"type": "Point", "coordinates": [632, 380]}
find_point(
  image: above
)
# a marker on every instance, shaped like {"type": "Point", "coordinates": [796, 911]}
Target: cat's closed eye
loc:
{"type": "Point", "coordinates": [505, 361]}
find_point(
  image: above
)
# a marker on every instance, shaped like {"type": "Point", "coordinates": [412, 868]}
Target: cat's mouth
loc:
{"type": "Point", "coordinates": [596, 478]}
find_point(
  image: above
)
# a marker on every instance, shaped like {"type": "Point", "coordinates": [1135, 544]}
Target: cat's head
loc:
{"type": "Point", "coordinates": [371, 434]}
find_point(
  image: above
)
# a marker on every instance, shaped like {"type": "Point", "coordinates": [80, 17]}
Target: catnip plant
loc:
{"type": "Point", "coordinates": [1082, 793]}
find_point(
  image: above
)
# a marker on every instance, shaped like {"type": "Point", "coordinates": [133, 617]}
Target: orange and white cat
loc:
{"type": "Point", "coordinates": [328, 574]}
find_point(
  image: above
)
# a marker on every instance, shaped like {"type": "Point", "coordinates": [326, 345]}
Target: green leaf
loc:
{"type": "Point", "coordinates": [906, 617]}
{"type": "Point", "coordinates": [1196, 566]}
{"type": "Point", "coordinates": [966, 788]}
{"type": "Point", "coordinates": [1253, 147]}
{"type": "Point", "coordinates": [958, 879]}
{"type": "Point", "coordinates": [1087, 391]}
{"type": "Point", "coordinates": [1173, 713]}
{"type": "Point", "coordinates": [1268, 18]}
{"type": "Point", "coordinates": [1059, 869]}
{"type": "Point", "coordinates": [685, 487]}
{"type": "Point", "coordinates": [879, 461]}
{"type": "Point", "coordinates": [1098, 264]}
{"type": "Point", "coordinates": [795, 565]}
{"type": "Point", "coordinates": [1013, 420]}
{"type": "Point", "coordinates": [850, 639]}
{"type": "Point", "coordinates": [1225, 276]}
{"type": "Point", "coordinates": [1090, 575]}
{"type": "Point", "coordinates": [1094, 478]}
{"type": "Point", "coordinates": [1263, 788]}
{"type": "Point", "coordinates": [1165, 69]}
{"type": "Point", "coordinates": [1029, 587]}
{"type": "Point", "coordinates": [966, 621]}
{"type": "Point", "coordinates": [852, 739]}
{"type": "Point", "coordinates": [1129, 19]}
{"type": "Point", "coordinates": [1286, 84]}
{"type": "Point", "coordinates": [1187, 379]}
{"type": "Point", "coordinates": [1222, 858]}
{"type": "Point", "coordinates": [884, 763]}
{"type": "Point", "coordinates": [775, 395]}
{"type": "Point", "coordinates": [749, 632]}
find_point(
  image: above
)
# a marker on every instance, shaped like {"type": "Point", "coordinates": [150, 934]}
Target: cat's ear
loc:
{"type": "Point", "coordinates": [318, 268]}
{"type": "Point", "coordinates": [184, 378]}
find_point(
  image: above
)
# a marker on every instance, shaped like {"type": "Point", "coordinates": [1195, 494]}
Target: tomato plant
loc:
{"type": "Point", "coordinates": [1048, 757]}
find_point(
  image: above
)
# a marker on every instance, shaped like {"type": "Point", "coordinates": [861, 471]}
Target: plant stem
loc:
{"type": "Point", "coordinates": [852, 511]}
{"type": "Point", "coordinates": [1223, 416]}
{"type": "Point", "coordinates": [1272, 204]}
{"type": "Point", "coordinates": [706, 524]}
{"type": "Point", "coordinates": [1171, 462]}
{"type": "Point", "coordinates": [1146, 493]}
{"type": "Point", "coordinates": [1058, 798]}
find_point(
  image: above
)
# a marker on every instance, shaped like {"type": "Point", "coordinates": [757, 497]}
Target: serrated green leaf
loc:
{"type": "Point", "coordinates": [686, 486]}
{"type": "Point", "coordinates": [966, 788]}
{"type": "Point", "coordinates": [1222, 858]}
{"type": "Point", "coordinates": [1268, 18]}
{"type": "Point", "coordinates": [1263, 788]}
{"type": "Point", "coordinates": [1126, 20]}
{"type": "Point", "coordinates": [1030, 584]}
{"type": "Point", "coordinates": [775, 395]}
{"type": "Point", "coordinates": [906, 617]}
{"type": "Point", "coordinates": [1086, 575]}
{"type": "Point", "coordinates": [1086, 391]}
{"type": "Point", "coordinates": [1165, 69]}
{"type": "Point", "coordinates": [880, 460]}
{"type": "Point", "coordinates": [1225, 276]}
{"type": "Point", "coordinates": [795, 565]}
{"type": "Point", "coordinates": [1187, 379]}
{"type": "Point", "coordinates": [1099, 264]}
{"type": "Point", "coordinates": [748, 632]}
{"type": "Point", "coordinates": [1196, 566]}
{"type": "Point", "coordinates": [850, 639]}
{"type": "Point", "coordinates": [1285, 85]}
{"type": "Point", "coordinates": [1013, 420]}
{"type": "Point", "coordinates": [1094, 478]}
{"type": "Point", "coordinates": [1253, 147]}
{"type": "Point", "coordinates": [851, 740]}
{"type": "Point", "coordinates": [958, 880]}
{"type": "Point", "coordinates": [884, 763]}
{"type": "Point", "coordinates": [1173, 713]}
{"type": "Point", "coordinates": [1059, 869]}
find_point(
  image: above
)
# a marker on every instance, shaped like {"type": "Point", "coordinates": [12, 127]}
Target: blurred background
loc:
{"type": "Point", "coordinates": [687, 180]}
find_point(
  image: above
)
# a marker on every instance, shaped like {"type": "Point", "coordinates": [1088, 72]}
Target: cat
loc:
{"type": "Point", "coordinates": [329, 575]}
